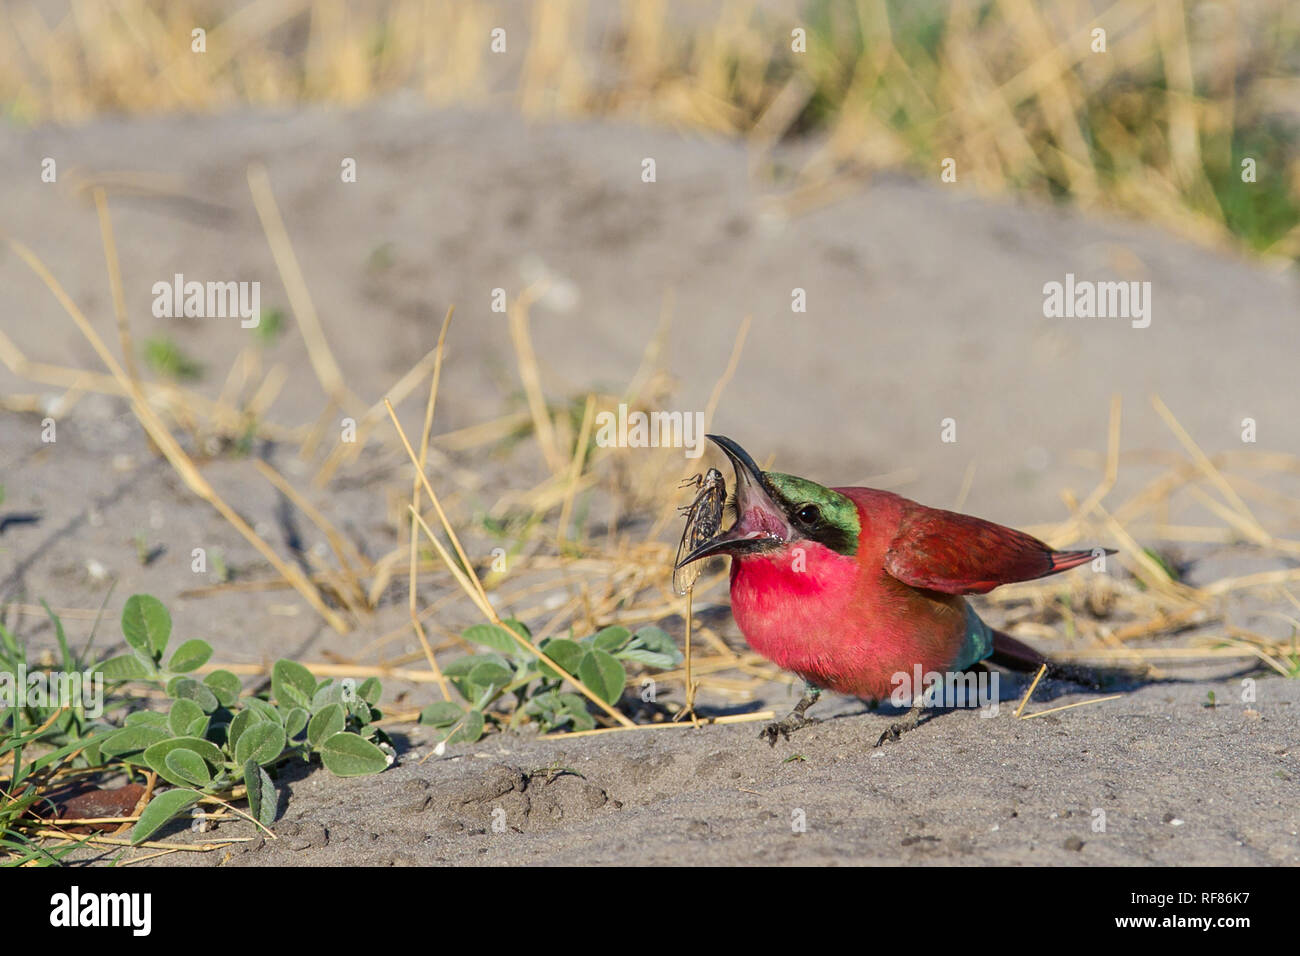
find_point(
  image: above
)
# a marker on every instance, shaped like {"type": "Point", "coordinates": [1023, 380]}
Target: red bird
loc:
{"type": "Point", "coordinates": [848, 587]}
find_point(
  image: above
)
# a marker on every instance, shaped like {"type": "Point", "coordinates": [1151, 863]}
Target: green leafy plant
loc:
{"type": "Point", "coordinates": [507, 671]}
{"type": "Point", "coordinates": [166, 358]}
{"type": "Point", "coordinates": [211, 740]}
{"type": "Point", "coordinates": [38, 739]}
{"type": "Point", "coordinates": [269, 328]}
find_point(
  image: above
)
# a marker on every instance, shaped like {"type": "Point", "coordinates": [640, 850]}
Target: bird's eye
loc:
{"type": "Point", "coordinates": [808, 514]}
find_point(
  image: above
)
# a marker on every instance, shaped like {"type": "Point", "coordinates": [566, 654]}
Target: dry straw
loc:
{"type": "Point", "coordinates": [1017, 90]}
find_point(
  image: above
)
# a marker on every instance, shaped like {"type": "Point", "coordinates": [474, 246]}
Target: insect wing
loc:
{"type": "Point", "coordinates": [703, 520]}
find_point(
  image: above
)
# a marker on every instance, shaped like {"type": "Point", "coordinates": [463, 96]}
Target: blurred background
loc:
{"type": "Point", "coordinates": [1152, 120]}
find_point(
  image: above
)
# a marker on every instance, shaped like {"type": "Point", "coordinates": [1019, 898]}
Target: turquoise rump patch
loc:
{"type": "Point", "coordinates": [978, 643]}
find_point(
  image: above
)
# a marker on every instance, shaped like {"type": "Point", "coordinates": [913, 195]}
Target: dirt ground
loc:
{"type": "Point", "coordinates": [924, 303]}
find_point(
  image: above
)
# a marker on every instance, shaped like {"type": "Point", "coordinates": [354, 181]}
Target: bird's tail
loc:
{"type": "Point", "coordinates": [1015, 655]}
{"type": "Point", "coordinates": [1064, 560]}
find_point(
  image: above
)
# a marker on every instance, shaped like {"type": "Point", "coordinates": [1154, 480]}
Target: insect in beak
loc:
{"type": "Point", "coordinates": [703, 519]}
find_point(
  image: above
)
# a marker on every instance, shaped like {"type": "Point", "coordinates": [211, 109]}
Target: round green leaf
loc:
{"type": "Point", "coordinates": [327, 722]}
{"type": "Point", "coordinates": [441, 713]}
{"type": "Point", "coordinates": [490, 674]}
{"type": "Point", "coordinates": [261, 743]}
{"type": "Point", "coordinates": [189, 688]}
{"type": "Point", "coordinates": [225, 686]}
{"type": "Point", "coordinates": [264, 710]}
{"type": "Point", "coordinates": [188, 766]}
{"type": "Point", "coordinates": [568, 654]}
{"type": "Point", "coordinates": [292, 685]}
{"type": "Point", "coordinates": [157, 753]}
{"type": "Point", "coordinates": [151, 717]}
{"type": "Point", "coordinates": [603, 675]}
{"type": "Point", "coordinates": [611, 639]}
{"type": "Point", "coordinates": [360, 710]}
{"type": "Point", "coordinates": [124, 667]}
{"type": "Point", "coordinates": [133, 738]}
{"type": "Point", "coordinates": [146, 625]}
{"type": "Point", "coordinates": [190, 656]}
{"type": "Point", "coordinates": [183, 713]}
{"type": "Point", "coordinates": [238, 724]}
{"type": "Point", "coordinates": [489, 635]}
{"type": "Point", "coordinates": [161, 809]}
{"type": "Point", "coordinates": [470, 730]}
{"type": "Point", "coordinates": [294, 722]}
{"type": "Point", "coordinates": [198, 727]}
{"type": "Point", "coordinates": [370, 690]}
{"type": "Point", "coordinates": [347, 755]}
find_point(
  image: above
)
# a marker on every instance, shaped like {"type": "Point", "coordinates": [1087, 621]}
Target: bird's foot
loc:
{"type": "Point", "coordinates": [900, 727]}
{"type": "Point", "coordinates": [793, 721]}
{"type": "Point", "coordinates": [785, 727]}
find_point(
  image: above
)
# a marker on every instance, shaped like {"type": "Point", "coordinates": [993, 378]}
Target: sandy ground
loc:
{"type": "Point", "coordinates": [1171, 781]}
{"type": "Point", "coordinates": [923, 303]}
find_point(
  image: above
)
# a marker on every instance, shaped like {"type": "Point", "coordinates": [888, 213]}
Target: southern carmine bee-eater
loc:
{"type": "Point", "coordinates": [848, 587]}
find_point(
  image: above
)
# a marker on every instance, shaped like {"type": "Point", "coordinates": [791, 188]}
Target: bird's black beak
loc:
{"type": "Point", "coordinates": [760, 525]}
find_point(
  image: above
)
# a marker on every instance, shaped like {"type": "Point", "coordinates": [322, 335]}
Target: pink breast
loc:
{"type": "Point", "coordinates": [836, 625]}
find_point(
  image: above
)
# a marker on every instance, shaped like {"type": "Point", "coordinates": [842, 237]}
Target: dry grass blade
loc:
{"type": "Point", "coordinates": [477, 586]}
{"type": "Point", "coordinates": [348, 451]}
{"type": "Point", "coordinates": [1081, 703]}
{"type": "Point", "coordinates": [689, 708]}
{"type": "Point", "coordinates": [115, 284]}
{"type": "Point", "coordinates": [1067, 532]}
{"type": "Point", "coordinates": [1148, 570]}
{"type": "Point", "coordinates": [163, 395]}
{"type": "Point", "coordinates": [470, 583]}
{"type": "Point", "coordinates": [490, 613]}
{"type": "Point", "coordinates": [304, 310]}
{"type": "Point", "coordinates": [531, 377]}
{"type": "Point", "coordinates": [148, 844]}
{"type": "Point", "coordinates": [1215, 476]}
{"type": "Point", "coordinates": [669, 725]}
{"type": "Point", "coordinates": [414, 566]}
{"type": "Point", "coordinates": [1030, 692]}
{"type": "Point", "coordinates": [176, 455]}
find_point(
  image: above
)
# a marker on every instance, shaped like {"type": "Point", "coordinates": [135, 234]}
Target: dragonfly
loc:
{"type": "Point", "coordinates": [703, 521]}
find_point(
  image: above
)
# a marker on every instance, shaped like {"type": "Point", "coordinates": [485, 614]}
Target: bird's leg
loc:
{"type": "Point", "coordinates": [909, 722]}
{"type": "Point", "coordinates": [793, 720]}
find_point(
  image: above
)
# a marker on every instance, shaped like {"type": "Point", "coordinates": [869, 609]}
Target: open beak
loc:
{"type": "Point", "coordinates": [760, 523]}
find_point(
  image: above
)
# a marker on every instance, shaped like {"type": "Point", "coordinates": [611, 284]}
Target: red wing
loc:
{"type": "Point", "coordinates": [957, 554]}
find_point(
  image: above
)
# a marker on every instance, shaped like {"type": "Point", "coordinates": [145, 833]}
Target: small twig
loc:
{"type": "Point", "coordinates": [1082, 703]}
{"type": "Point", "coordinates": [669, 725]}
{"type": "Point", "coordinates": [148, 844]}
{"type": "Point", "coordinates": [1029, 693]}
